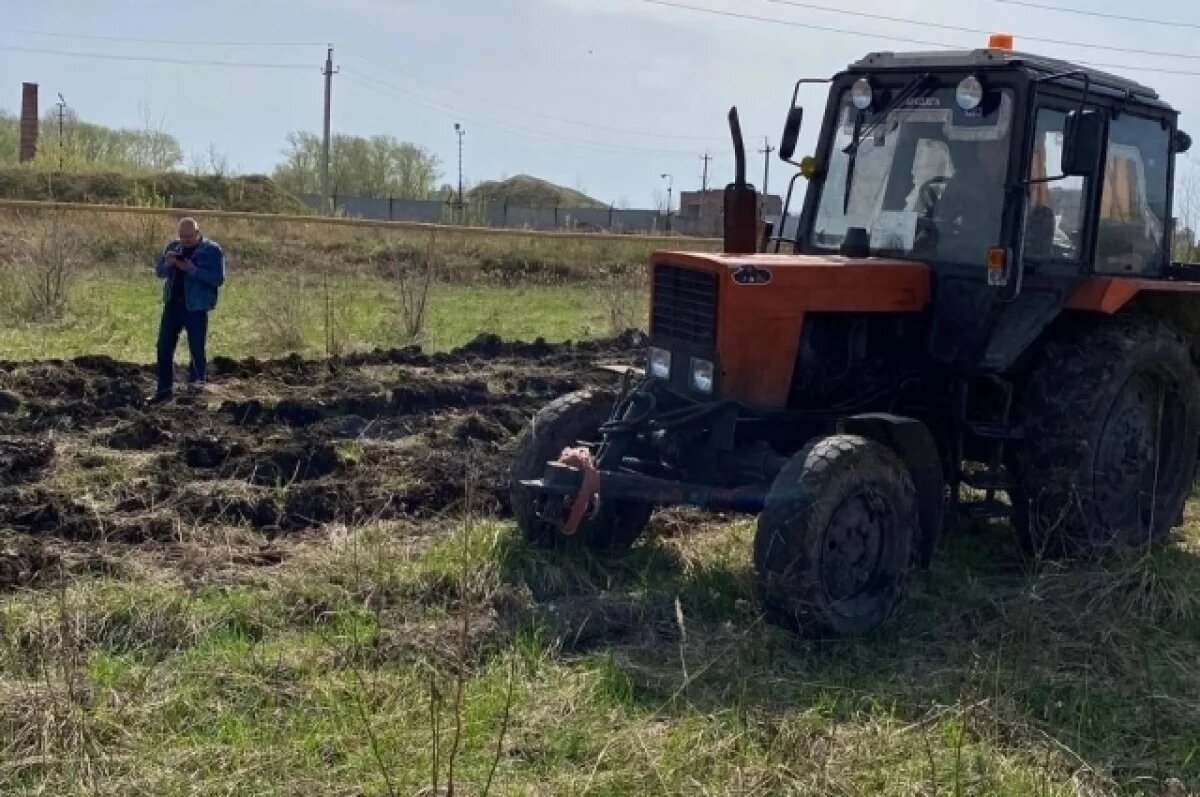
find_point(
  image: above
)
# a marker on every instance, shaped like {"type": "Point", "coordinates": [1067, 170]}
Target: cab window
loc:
{"type": "Point", "coordinates": [1054, 227]}
{"type": "Point", "coordinates": [1133, 203]}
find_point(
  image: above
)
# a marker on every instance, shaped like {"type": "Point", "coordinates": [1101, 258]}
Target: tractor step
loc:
{"type": "Point", "coordinates": [995, 430]}
{"type": "Point", "coordinates": [987, 480]}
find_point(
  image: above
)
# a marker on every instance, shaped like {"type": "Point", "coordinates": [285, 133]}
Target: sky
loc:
{"type": "Point", "coordinates": [601, 95]}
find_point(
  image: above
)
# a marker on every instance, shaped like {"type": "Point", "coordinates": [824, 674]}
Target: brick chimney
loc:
{"type": "Point", "coordinates": [29, 121]}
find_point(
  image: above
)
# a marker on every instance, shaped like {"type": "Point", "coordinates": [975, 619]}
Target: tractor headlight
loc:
{"type": "Point", "coordinates": [969, 93]}
{"type": "Point", "coordinates": [660, 363]}
{"type": "Point", "coordinates": [861, 94]}
{"type": "Point", "coordinates": [702, 375]}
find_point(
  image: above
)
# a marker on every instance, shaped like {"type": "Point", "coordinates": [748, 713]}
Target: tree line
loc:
{"type": "Point", "coordinates": [374, 166]}
{"type": "Point", "coordinates": [88, 146]}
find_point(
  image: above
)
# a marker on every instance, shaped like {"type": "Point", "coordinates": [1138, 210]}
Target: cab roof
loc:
{"type": "Point", "coordinates": [1035, 66]}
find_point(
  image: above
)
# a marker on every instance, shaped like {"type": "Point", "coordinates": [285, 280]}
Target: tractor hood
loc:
{"type": "Point", "coordinates": [758, 304]}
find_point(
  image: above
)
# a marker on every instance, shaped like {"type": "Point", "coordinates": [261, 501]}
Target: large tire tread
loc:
{"type": "Point", "coordinates": [789, 536]}
{"type": "Point", "coordinates": [1069, 391]}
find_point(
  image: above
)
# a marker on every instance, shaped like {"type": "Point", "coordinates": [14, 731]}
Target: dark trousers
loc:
{"type": "Point", "coordinates": [176, 319]}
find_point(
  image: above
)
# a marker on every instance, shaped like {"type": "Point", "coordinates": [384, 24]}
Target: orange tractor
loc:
{"type": "Point", "coordinates": [977, 293]}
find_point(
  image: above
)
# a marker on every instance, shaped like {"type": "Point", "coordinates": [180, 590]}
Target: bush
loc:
{"type": "Point", "coordinates": [47, 263]}
{"type": "Point", "coordinates": [253, 193]}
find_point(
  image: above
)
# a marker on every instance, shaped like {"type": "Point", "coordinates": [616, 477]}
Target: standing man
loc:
{"type": "Point", "coordinates": [194, 269]}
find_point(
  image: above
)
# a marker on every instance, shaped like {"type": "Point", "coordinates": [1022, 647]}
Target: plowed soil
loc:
{"type": "Point", "coordinates": [274, 450]}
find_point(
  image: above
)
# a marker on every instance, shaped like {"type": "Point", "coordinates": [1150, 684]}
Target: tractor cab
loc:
{"type": "Point", "coordinates": [990, 162]}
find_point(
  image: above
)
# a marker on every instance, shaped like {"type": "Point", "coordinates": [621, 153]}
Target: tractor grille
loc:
{"type": "Point", "coordinates": [685, 306]}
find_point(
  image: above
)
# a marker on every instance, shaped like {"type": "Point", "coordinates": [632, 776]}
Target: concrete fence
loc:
{"type": "Point", "coordinates": [502, 215]}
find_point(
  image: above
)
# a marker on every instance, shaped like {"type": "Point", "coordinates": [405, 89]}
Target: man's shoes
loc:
{"type": "Point", "coordinates": [160, 398]}
{"type": "Point", "coordinates": [196, 388]}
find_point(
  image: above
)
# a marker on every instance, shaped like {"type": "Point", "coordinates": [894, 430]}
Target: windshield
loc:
{"type": "Point", "coordinates": [927, 181]}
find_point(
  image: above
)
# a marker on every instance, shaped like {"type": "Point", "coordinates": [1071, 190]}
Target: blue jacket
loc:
{"type": "Point", "coordinates": [200, 290]}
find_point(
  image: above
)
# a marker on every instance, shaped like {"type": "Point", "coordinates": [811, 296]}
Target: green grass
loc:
{"type": "Point", "coordinates": [267, 313]}
{"type": "Point", "coordinates": [650, 674]}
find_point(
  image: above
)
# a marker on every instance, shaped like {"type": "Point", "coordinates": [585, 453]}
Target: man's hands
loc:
{"type": "Point", "coordinates": [182, 263]}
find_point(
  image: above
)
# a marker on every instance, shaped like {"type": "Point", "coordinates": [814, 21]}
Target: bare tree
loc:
{"type": "Point", "coordinates": [51, 258]}
{"type": "Point", "coordinates": [210, 162]}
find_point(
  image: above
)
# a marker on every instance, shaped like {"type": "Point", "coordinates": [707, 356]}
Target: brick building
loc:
{"type": "Point", "coordinates": [703, 212]}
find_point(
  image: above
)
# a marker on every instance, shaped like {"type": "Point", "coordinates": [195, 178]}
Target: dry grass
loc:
{"type": "Point", "coordinates": [458, 255]}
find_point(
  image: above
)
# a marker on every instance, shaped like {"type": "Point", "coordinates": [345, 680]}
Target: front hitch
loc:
{"type": "Point", "coordinates": [583, 486]}
{"type": "Point", "coordinates": [580, 479]}
{"type": "Point", "coordinates": [580, 460]}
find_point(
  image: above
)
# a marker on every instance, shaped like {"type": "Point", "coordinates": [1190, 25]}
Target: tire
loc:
{"type": "Point", "coordinates": [841, 502]}
{"type": "Point", "coordinates": [616, 525]}
{"type": "Point", "coordinates": [1088, 469]}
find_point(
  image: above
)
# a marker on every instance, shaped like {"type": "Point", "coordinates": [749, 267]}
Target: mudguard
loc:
{"type": "Point", "coordinates": [912, 441]}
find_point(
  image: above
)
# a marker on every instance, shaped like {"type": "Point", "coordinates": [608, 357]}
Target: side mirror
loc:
{"type": "Point", "coordinates": [791, 133]}
{"type": "Point", "coordinates": [1183, 142]}
{"type": "Point", "coordinates": [1083, 142]}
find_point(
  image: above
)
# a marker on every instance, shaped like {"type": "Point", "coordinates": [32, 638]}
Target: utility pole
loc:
{"type": "Point", "coordinates": [460, 132]}
{"type": "Point", "coordinates": [766, 153]}
{"type": "Point", "coordinates": [62, 105]}
{"type": "Point", "coordinates": [704, 180]}
{"type": "Point", "coordinates": [670, 197]}
{"type": "Point", "coordinates": [328, 72]}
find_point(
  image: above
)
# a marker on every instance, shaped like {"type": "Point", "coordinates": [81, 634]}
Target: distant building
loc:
{"type": "Point", "coordinates": [703, 212]}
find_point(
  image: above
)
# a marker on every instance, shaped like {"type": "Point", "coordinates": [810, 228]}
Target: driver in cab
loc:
{"type": "Point", "coordinates": [967, 213]}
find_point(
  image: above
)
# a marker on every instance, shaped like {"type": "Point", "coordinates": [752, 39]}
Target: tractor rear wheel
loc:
{"type": "Point", "coordinates": [1112, 423]}
{"type": "Point", "coordinates": [569, 419]}
{"type": "Point", "coordinates": [835, 540]}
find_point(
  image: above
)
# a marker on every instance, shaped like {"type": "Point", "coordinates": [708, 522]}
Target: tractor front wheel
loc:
{"type": "Point", "coordinates": [835, 540]}
{"type": "Point", "coordinates": [615, 524]}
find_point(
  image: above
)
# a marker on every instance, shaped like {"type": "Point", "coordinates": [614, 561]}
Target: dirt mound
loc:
{"type": "Point", "coordinates": [47, 511]}
{"type": "Point", "coordinates": [9, 402]}
{"type": "Point", "coordinates": [139, 434]}
{"type": "Point", "coordinates": [24, 459]}
{"type": "Point", "coordinates": [208, 451]}
{"type": "Point", "coordinates": [286, 465]}
{"type": "Point", "coordinates": [293, 445]}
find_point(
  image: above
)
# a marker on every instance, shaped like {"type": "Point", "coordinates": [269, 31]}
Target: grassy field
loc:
{"type": "Point", "coordinates": [268, 313]}
{"type": "Point", "coordinates": [446, 656]}
{"type": "Point", "coordinates": [385, 658]}
{"type": "Point", "coordinates": [303, 287]}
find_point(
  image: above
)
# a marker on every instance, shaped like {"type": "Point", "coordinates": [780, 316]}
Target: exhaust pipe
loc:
{"type": "Point", "coordinates": [741, 200]}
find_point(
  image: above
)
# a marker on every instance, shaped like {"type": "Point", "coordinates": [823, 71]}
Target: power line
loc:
{"type": "Point", "coordinates": [455, 112]}
{"type": "Point", "coordinates": [140, 40]}
{"type": "Point", "coordinates": [962, 29]}
{"type": "Point", "coordinates": [152, 59]}
{"type": "Point", "coordinates": [887, 37]}
{"type": "Point", "coordinates": [537, 114]}
{"type": "Point", "coordinates": [793, 24]}
{"type": "Point", "coordinates": [1168, 23]}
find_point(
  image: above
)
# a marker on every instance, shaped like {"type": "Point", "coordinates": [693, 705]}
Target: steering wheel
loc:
{"type": "Point", "coordinates": [928, 194]}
